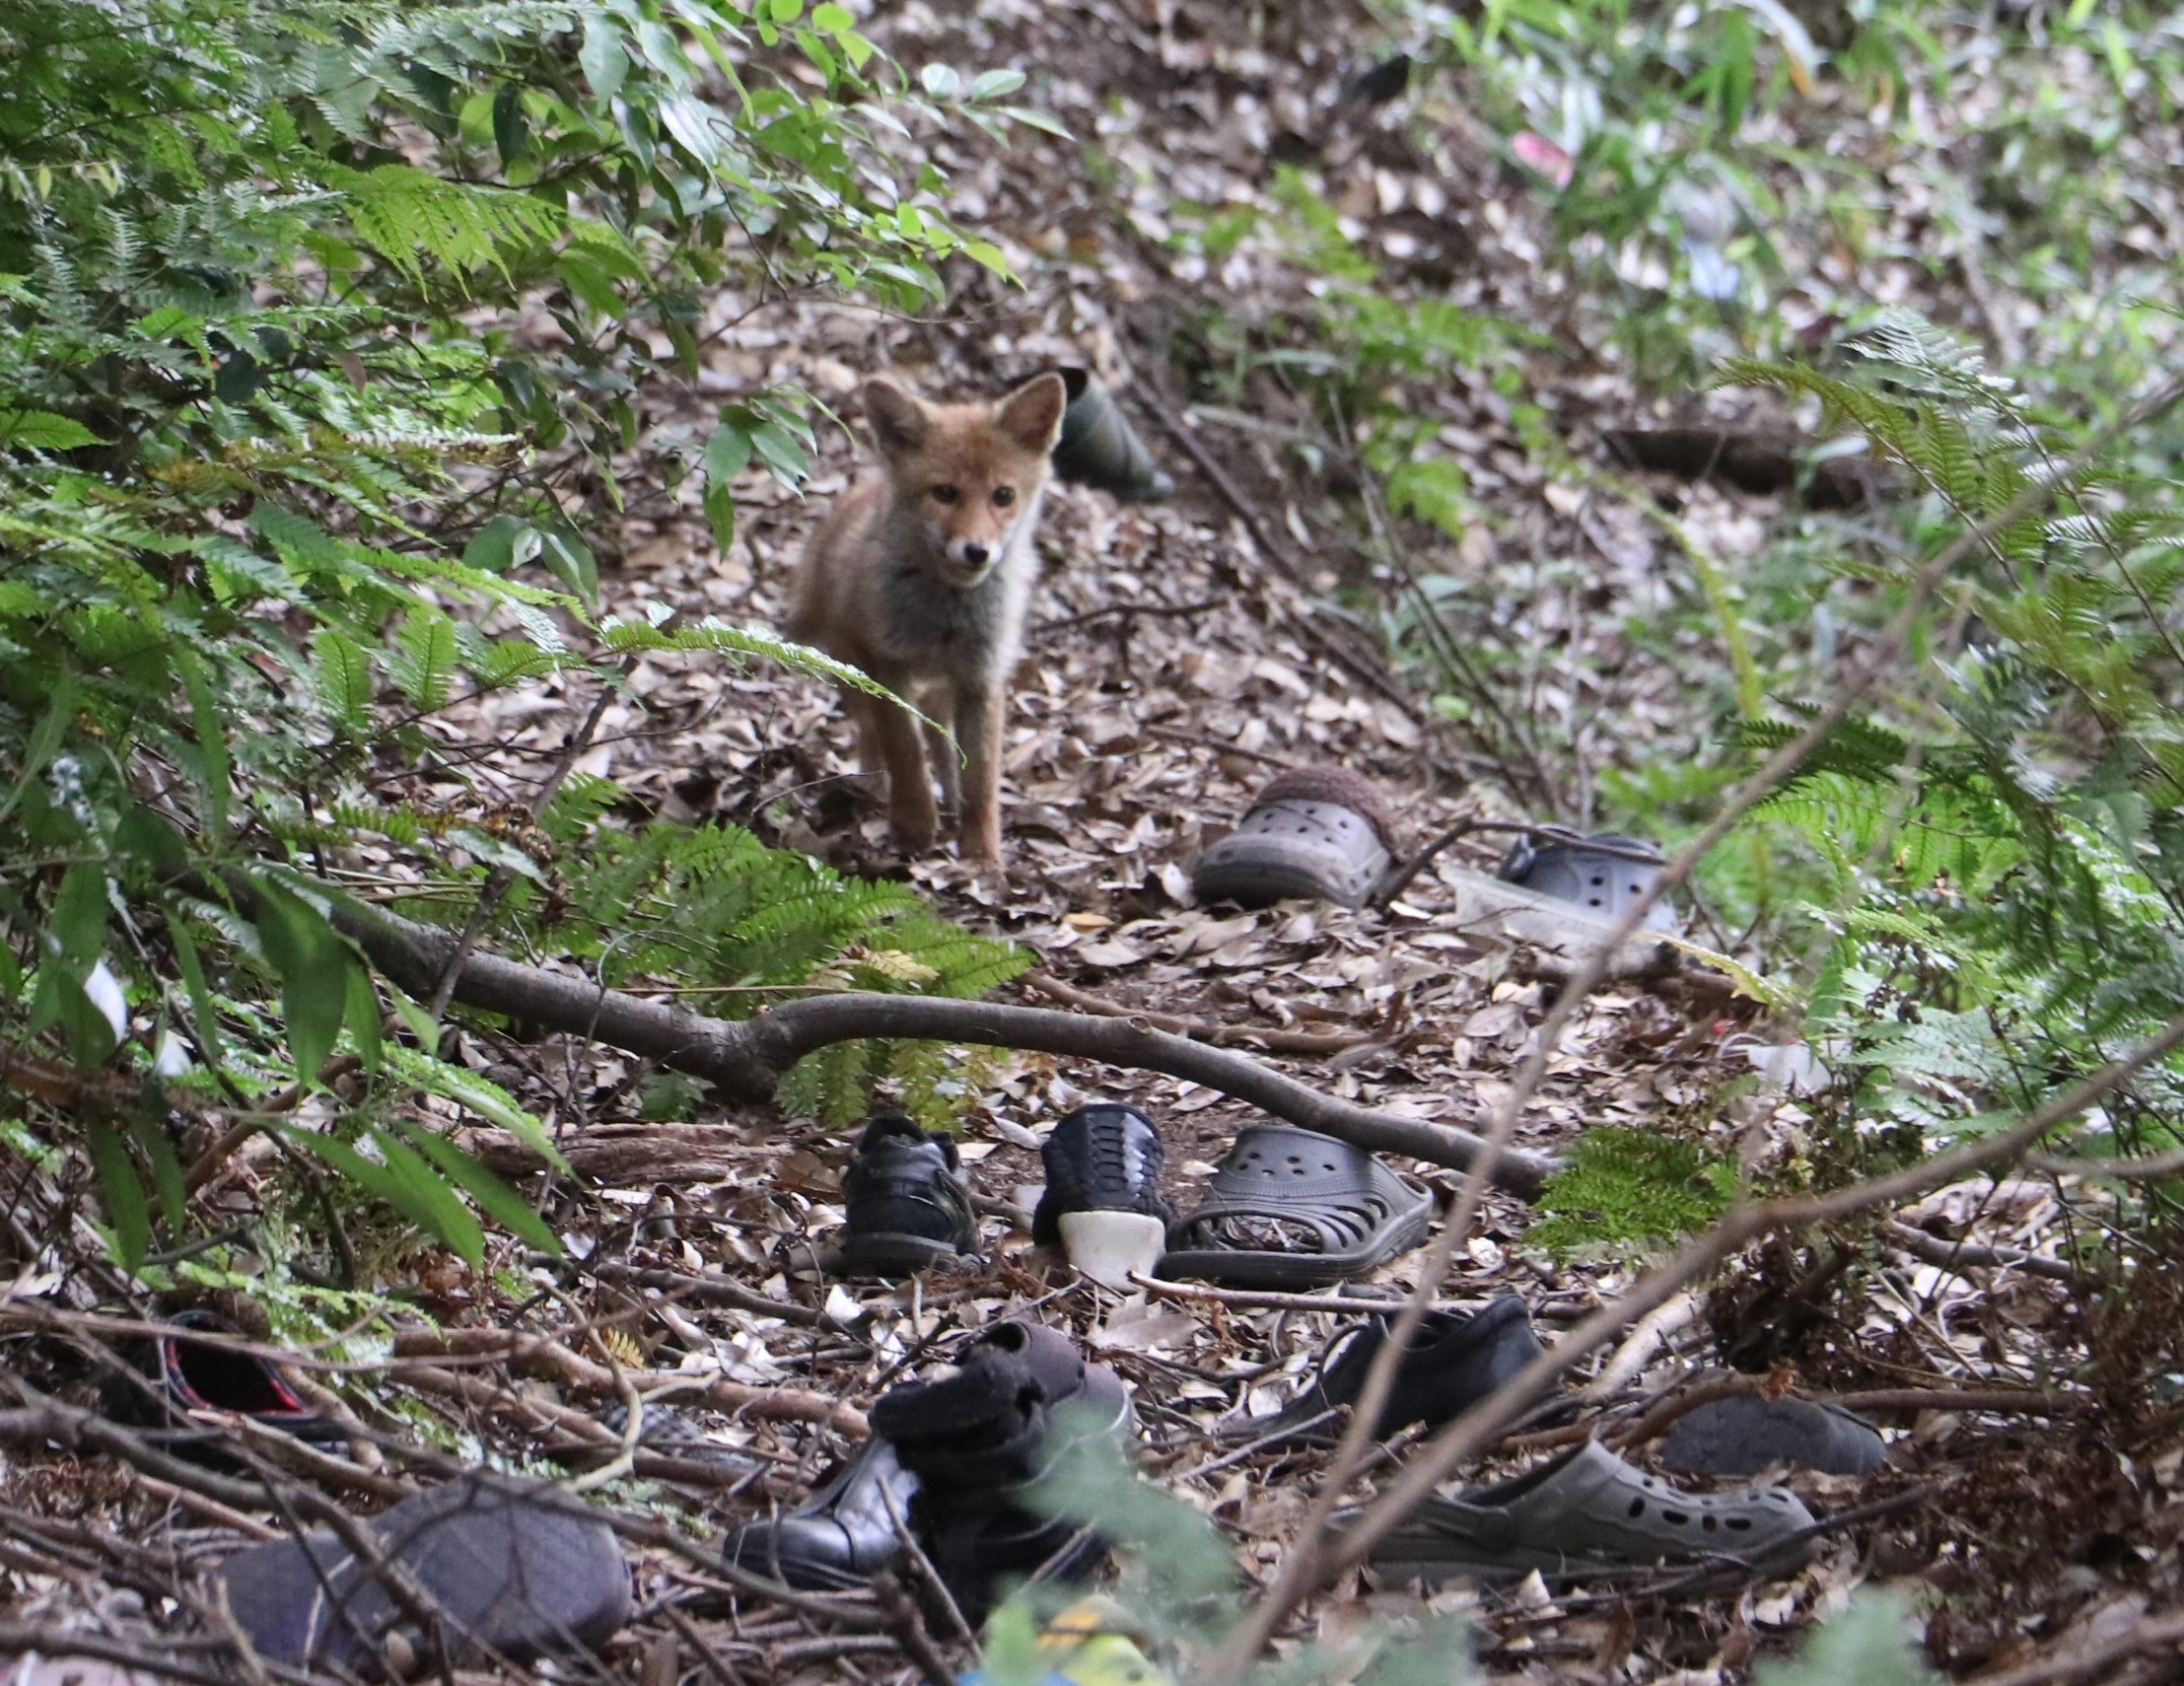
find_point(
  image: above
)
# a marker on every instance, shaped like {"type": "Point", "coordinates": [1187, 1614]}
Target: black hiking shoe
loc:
{"type": "Point", "coordinates": [908, 1205]}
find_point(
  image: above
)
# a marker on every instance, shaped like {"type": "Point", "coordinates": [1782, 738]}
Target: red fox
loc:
{"type": "Point", "coordinates": [921, 575]}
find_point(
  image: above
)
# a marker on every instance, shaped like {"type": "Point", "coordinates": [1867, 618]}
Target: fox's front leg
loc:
{"type": "Point", "coordinates": [978, 723]}
{"type": "Point", "coordinates": [891, 740]}
{"type": "Point", "coordinates": [945, 753]}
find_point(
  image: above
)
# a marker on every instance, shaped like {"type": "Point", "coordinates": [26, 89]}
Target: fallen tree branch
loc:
{"type": "Point", "coordinates": [748, 1056]}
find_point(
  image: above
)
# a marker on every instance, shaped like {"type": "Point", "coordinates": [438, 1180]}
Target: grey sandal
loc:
{"type": "Point", "coordinates": [1604, 875]}
{"type": "Point", "coordinates": [1294, 1209]}
{"type": "Point", "coordinates": [1590, 1513]}
{"type": "Point", "coordinates": [1313, 832]}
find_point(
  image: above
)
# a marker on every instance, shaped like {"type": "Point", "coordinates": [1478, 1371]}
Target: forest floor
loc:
{"type": "Point", "coordinates": [1182, 654]}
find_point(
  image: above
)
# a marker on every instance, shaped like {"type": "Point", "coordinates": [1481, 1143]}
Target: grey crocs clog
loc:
{"type": "Point", "coordinates": [1604, 875]}
{"type": "Point", "coordinates": [1316, 834]}
{"type": "Point", "coordinates": [1590, 1513]}
{"type": "Point", "coordinates": [1559, 894]}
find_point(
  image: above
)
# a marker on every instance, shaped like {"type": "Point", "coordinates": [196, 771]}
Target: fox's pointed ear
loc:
{"type": "Point", "coordinates": [896, 414]}
{"type": "Point", "coordinates": [1031, 415]}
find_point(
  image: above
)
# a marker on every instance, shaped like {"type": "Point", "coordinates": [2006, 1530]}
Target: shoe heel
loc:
{"type": "Point", "coordinates": [1108, 1245]}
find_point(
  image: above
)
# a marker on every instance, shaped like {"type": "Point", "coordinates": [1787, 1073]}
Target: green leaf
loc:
{"type": "Point", "coordinates": [569, 560]}
{"type": "Point", "coordinates": [166, 1170]}
{"type": "Point", "coordinates": [121, 1193]}
{"type": "Point", "coordinates": [425, 666]}
{"type": "Point", "coordinates": [313, 965]}
{"type": "Point", "coordinates": [993, 84]}
{"type": "Point", "coordinates": [209, 721]}
{"type": "Point", "coordinates": [941, 80]}
{"type": "Point", "coordinates": [503, 544]}
{"type": "Point", "coordinates": [499, 1202]}
{"type": "Point", "coordinates": [605, 63]}
{"type": "Point", "coordinates": [424, 1193]}
{"type": "Point", "coordinates": [344, 680]}
{"type": "Point", "coordinates": [43, 430]}
{"type": "Point", "coordinates": [204, 1011]}
{"type": "Point", "coordinates": [1867, 1643]}
{"type": "Point", "coordinates": [361, 1011]}
{"type": "Point", "coordinates": [833, 20]}
{"type": "Point", "coordinates": [727, 454]}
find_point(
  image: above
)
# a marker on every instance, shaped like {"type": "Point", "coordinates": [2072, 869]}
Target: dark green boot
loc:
{"type": "Point", "coordinates": [1099, 447]}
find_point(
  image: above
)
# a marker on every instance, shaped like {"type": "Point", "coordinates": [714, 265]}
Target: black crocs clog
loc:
{"type": "Point", "coordinates": [1294, 1209]}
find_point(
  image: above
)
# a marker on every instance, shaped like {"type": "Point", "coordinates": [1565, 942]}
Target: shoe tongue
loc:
{"type": "Point", "coordinates": [981, 1411]}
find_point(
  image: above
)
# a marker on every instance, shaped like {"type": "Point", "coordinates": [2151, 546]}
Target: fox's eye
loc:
{"type": "Point", "coordinates": [1004, 496]}
{"type": "Point", "coordinates": [947, 494]}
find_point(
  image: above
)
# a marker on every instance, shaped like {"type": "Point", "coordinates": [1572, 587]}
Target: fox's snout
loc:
{"type": "Point", "coordinates": [971, 556]}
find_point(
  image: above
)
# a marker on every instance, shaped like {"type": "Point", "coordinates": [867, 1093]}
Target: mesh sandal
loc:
{"type": "Point", "coordinates": [511, 1567]}
{"type": "Point", "coordinates": [1099, 447]}
{"type": "Point", "coordinates": [1588, 1514]}
{"type": "Point", "coordinates": [1293, 1208]}
{"type": "Point", "coordinates": [907, 1205]}
{"type": "Point", "coordinates": [1317, 833]}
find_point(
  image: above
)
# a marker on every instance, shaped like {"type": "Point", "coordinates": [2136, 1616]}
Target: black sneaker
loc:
{"type": "Point", "coordinates": [908, 1205]}
{"type": "Point", "coordinates": [1103, 1203]}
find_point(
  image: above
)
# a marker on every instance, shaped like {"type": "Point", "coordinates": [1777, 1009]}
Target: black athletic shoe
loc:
{"type": "Point", "coordinates": [908, 1205]}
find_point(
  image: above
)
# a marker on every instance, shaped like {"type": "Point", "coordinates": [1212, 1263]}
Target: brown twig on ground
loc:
{"type": "Point", "coordinates": [909, 1630]}
{"type": "Point", "coordinates": [1267, 1299]}
{"type": "Point", "coordinates": [702, 1289]}
{"type": "Point", "coordinates": [545, 1356]}
{"type": "Point", "coordinates": [1278, 1041]}
{"type": "Point", "coordinates": [2076, 1662]}
{"type": "Point", "coordinates": [206, 1165]}
{"type": "Point", "coordinates": [20, 1638]}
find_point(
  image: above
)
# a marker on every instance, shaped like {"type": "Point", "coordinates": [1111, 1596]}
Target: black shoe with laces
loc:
{"type": "Point", "coordinates": [908, 1205]}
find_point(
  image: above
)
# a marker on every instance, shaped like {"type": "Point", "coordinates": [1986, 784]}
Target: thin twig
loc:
{"type": "Point", "coordinates": [1277, 1041]}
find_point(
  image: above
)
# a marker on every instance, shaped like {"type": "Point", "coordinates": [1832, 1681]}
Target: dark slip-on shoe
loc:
{"type": "Point", "coordinates": [1102, 1204]}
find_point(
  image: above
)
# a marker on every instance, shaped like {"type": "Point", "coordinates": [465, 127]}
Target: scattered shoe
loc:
{"type": "Point", "coordinates": [842, 1536]}
{"type": "Point", "coordinates": [1454, 1362]}
{"type": "Point", "coordinates": [1293, 1208]}
{"type": "Point", "coordinates": [977, 1439]}
{"type": "Point", "coordinates": [1746, 1434]}
{"type": "Point", "coordinates": [1560, 895]}
{"type": "Point", "coordinates": [1099, 447]}
{"type": "Point", "coordinates": [513, 1569]}
{"type": "Point", "coordinates": [1587, 1514]}
{"type": "Point", "coordinates": [189, 1385]}
{"type": "Point", "coordinates": [1312, 832]}
{"type": "Point", "coordinates": [1102, 1204]}
{"type": "Point", "coordinates": [908, 1205]}
{"type": "Point", "coordinates": [1604, 875]}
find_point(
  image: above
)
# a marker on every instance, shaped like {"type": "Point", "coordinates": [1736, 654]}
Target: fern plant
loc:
{"type": "Point", "coordinates": [281, 485]}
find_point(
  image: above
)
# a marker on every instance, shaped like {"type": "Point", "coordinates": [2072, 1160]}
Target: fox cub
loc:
{"type": "Point", "coordinates": [921, 575]}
